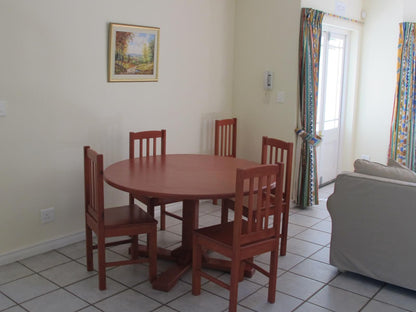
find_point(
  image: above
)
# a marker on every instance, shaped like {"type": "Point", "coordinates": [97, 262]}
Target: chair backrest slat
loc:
{"type": "Point", "coordinates": [147, 143]}
{"type": "Point", "coordinates": [226, 137]}
{"type": "Point", "coordinates": [256, 225]}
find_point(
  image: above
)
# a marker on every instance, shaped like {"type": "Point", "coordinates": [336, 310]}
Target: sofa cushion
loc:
{"type": "Point", "coordinates": [392, 163]}
{"type": "Point", "coordinates": [393, 171]}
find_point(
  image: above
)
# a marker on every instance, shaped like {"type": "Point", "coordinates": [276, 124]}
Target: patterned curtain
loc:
{"type": "Point", "coordinates": [402, 138]}
{"type": "Point", "coordinates": [309, 54]}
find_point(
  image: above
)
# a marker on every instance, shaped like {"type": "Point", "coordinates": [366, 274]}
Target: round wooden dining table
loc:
{"type": "Point", "coordinates": [185, 177]}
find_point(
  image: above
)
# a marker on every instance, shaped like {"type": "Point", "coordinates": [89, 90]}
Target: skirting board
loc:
{"type": "Point", "coordinates": [52, 244]}
{"type": "Point", "coordinates": [42, 247]}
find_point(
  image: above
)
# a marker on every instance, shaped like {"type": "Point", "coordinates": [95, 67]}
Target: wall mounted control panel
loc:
{"type": "Point", "coordinates": [268, 80]}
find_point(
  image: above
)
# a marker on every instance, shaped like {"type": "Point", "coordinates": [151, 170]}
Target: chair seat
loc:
{"type": "Point", "coordinates": [245, 204]}
{"type": "Point", "coordinates": [121, 221]}
{"type": "Point", "coordinates": [147, 142]}
{"type": "Point", "coordinates": [273, 151]}
{"type": "Point", "coordinates": [126, 216]}
{"type": "Point", "coordinates": [154, 201]}
{"type": "Point", "coordinates": [222, 233]}
{"type": "Point", "coordinates": [245, 237]}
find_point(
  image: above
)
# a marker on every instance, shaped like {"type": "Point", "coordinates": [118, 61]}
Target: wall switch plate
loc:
{"type": "Point", "coordinates": [281, 97]}
{"type": "Point", "coordinates": [47, 215]}
{"type": "Point", "coordinates": [2, 108]}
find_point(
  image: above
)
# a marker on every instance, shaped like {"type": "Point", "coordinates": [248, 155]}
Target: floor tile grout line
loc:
{"type": "Point", "coordinates": [53, 290]}
{"type": "Point", "coordinates": [323, 286]}
{"type": "Point", "coordinates": [16, 303]}
{"type": "Point", "coordinates": [328, 283]}
{"type": "Point", "coordinates": [390, 304]}
{"type": "Point", "coordinates": [261, 286]}
{"type": "Point", "coordinates": [314, 229]}
{"type": "Point", "coordinates": [77, 260]}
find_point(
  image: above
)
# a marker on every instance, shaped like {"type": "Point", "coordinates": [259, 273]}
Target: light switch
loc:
{"type": "Point", "coordinates": [281, 97]}
{"type": "Point", "coordinates": [2, 108]}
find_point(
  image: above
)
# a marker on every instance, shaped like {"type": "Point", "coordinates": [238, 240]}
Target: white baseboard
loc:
{"type": "Point", "coordinates": [42, 247]}
{"type": "Point", "coordinates": [52, 244]}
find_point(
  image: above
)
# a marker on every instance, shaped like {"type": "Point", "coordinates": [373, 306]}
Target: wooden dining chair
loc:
{"type": "Point", "coordinates": [147, 146]}
{"type": "Point", "coordinates": [124, 221]}
{"type": "Point", "coordinates": [247, 236]}
{"type": "Point", "coordinates": [274, 151]}
{"type": "Point", "coordinates": [225, 139]}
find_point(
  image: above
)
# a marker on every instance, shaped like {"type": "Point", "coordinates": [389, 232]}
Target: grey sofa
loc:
{"type": "Point", "coordinates": [374, 228]}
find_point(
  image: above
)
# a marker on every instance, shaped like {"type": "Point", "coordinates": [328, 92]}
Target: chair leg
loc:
{"type": "Point", "coordinates": [151, 210]}
{"type": "Point", "coordinates": [285, 223]}
{"type": "Point", "coordinates": [152, 249]}
{"type": "Point", "coordinates": [162, 217]}
{"type": "Point", "coordinates": [273, 277]}
{"type": "Point", "coordinates": [88, 246]}
{"type": "Point", "coordinates": [131, 200]}
{"type": "Point", "coordinates": [235, 276]}
{"type": "Point", "coordinates": [196, 267]}
{"type": "Point", "coordinates": [101, 263]}
{"type": "Point", "coordinates": [224, 211]}
{"type": "Point", "coordinates": [134, 246]}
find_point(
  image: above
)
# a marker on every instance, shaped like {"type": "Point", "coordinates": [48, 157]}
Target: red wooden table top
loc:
{"type": "Point", "coordinates": [182, 176]}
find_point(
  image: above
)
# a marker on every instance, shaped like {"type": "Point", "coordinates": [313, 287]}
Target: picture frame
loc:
{"type": "Point", "coordinates": [133, 53]}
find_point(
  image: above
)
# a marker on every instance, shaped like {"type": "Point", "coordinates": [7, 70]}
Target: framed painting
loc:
{"type": "Point", "coordinates": [133, 53]}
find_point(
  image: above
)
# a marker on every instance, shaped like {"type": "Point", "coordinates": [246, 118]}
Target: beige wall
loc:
{"type": "Point", "coordinates": [53, 76]}
{"type": "Point", "coordinates": [266, 38]}
{"type": "Point", "coordinates": [213, 54]}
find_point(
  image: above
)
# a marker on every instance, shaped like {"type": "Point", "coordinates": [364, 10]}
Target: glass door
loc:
{"type": "Point", "coordinates": [330, 99]}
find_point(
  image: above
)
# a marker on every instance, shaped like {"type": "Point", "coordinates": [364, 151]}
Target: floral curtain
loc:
{"type": "Point", "coordinates": [309, 55]}
{"type": "Point", "coordinates": [402, 138]}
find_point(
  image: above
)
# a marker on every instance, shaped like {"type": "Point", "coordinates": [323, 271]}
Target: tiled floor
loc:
{"type": "Point", "coordinates": [58, 280]}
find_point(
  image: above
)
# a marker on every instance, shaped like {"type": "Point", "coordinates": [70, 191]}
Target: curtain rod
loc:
{"type": "Point", "coordinates": [345, 18]}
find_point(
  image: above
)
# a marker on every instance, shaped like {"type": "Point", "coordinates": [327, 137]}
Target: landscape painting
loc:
{"type": "Point", "coordinates": [133, 53]}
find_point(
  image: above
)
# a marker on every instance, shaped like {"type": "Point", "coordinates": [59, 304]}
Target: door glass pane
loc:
{"type": "Point", "coordinates": [334, 80]}
{"type": "Point", "coordinates": [322, 78]}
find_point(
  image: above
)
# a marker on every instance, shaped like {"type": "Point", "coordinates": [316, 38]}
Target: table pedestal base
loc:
{"type": "Point", "coordinates": [183, 255]}
{"type": "Point", "coordinates": [166, 280]}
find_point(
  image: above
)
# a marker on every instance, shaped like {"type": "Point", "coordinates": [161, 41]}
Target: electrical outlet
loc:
{"type": "Point", "coordinates": [281, 97]}
{"type": "Point", "coordinates": [47, 215]}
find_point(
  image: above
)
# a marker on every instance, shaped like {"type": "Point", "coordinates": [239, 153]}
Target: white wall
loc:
{"type": "Point", "coordinates": [409, 11]}
{"type": "Point", "coordinates": [53, 76]}
{"type": "Point", "coordinates": [378, 77]}
{"type": "Point", "coordinates": [378, 82]}
{"type": "Point", "coordinates": [352, 7]}
{"type": "Point", "coordinates": [266, 38]}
